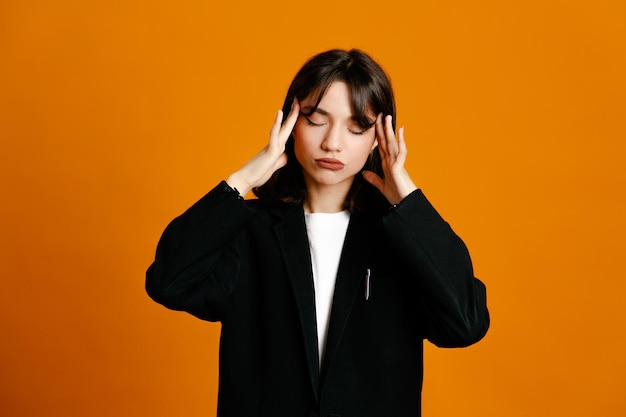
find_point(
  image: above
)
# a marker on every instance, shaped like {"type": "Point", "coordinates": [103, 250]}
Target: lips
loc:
{"type": "Point", "coordinates": [330, 163]}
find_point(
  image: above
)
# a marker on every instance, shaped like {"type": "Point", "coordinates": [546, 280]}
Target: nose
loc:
{"type": "Point", "coordinates": [332, 139]}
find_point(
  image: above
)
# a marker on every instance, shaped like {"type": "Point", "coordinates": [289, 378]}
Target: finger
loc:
{"type": "Point", "coordinates": [274, 142]}
{"type": "Point", "coordinates": [290, 122]}
{"type": "Point", "coordinates": [374, 179]}
{"type": "Point", "coordinates": [277, 122]}
{"type": "Point", "coordinates": [380, 136]}
{"type": "Point", "coordinates": [392, 145]}
{"type": "Point", "coordinates": [402, 149]}
{"type": "Point", "coordinates": [295, 109]}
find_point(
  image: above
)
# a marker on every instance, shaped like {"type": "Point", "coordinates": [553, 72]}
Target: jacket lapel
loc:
{"type": "Point", "coordinates": [350, 278]}
{"type": "Point", "coordinates": [292, 238]}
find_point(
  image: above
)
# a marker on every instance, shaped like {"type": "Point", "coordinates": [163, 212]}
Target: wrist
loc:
{"type": "Point", "coordinates": [403, 187]}
{"type": "Point", "coordinates": [236, 183]}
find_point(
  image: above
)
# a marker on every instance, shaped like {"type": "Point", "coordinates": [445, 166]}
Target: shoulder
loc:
{"type": "Point", "coordinates": [274, 212]}
{"type": "Point", "coordinates": [269, 206]}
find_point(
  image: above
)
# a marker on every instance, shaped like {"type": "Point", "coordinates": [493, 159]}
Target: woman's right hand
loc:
{"type": "Point", "coordinates": [259, 169]}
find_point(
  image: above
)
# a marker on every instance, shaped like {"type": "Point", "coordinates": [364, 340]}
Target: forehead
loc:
{"type": "Point", "coordinates": [337, 98]}
{"type": "Point", "coordinates": [337, 92]}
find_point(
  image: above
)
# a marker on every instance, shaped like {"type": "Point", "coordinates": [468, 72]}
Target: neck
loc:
{"type": "Point", "coordinates": [326, 199]}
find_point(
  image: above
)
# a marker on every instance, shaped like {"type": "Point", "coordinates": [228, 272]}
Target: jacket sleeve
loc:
{"type": "Point", "coordinates": [452, 299]}
{"type": "Point", "coordinates": [197, 258]}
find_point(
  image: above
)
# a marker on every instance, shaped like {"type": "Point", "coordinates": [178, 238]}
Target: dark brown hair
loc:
{"type": "Point", "coordinates": [371, 93]}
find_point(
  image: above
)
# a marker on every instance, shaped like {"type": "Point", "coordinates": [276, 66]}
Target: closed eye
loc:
{"type": "Point", "coordinates": [311, 123]}
{"type": "Point", "coordinates": [359, 132]}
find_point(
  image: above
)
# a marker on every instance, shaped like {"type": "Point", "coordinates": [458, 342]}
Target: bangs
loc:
{"type": "Point", "coordinates": [362, 99]}
{"type": "Point", "coordinates": [364, 106]}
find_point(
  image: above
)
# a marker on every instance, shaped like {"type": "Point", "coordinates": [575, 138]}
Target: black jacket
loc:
{"type": "Point", "coordinates": [246, 263]}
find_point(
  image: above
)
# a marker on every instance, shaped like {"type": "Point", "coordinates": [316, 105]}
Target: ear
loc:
{"type": "Point", "coordinates": [374, 145]}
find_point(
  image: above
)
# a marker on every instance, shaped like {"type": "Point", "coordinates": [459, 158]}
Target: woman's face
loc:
{"type": "Point", "coordinates": [329, 144]}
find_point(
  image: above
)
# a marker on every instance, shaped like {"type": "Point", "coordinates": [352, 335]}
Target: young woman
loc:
{"type": "Point", "coordinates": [327, 284]}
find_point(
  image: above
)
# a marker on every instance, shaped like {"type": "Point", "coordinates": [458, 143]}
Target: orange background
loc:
{"type": "Point", "coordinates": [116, 116]}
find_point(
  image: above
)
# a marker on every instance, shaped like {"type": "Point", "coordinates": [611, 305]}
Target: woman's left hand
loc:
{"type": "Point", "coordinates": [397, 183]}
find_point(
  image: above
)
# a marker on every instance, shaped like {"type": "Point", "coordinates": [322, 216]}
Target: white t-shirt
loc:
{"type": "Point", "coordinates": [326, 232]}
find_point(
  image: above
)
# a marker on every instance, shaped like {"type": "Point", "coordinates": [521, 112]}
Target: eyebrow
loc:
{"type": "Point", "coordinates": [310, 110]}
